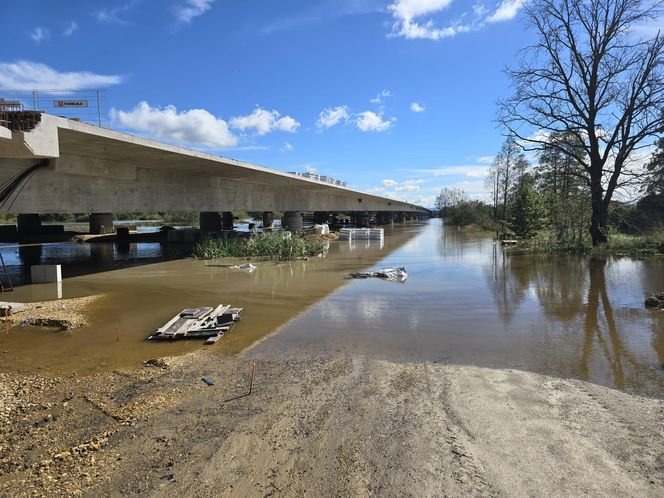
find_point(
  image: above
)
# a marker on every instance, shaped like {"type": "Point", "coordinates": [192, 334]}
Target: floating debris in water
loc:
{"type": "Point", "coordinates": [395, 274]}
{"type": "Point", "coordinates": [204, 322]}
{"type": "Point", "coordinates": [248, 267]}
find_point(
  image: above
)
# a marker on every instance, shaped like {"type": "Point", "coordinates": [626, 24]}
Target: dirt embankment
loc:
{"type": "Point", "coordinates": [63, 313]}
{"type": "Point", "coordinates": [342, 426]}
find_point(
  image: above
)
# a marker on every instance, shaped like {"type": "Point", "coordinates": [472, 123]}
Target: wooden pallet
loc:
{"type": "Point", "coordinates": [204, 322]}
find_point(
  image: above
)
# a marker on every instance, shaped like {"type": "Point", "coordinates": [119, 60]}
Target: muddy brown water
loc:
{"type": "Point", "coordinates": [466, 301]}
{"type": "Point", "coordinates": [142, 297]}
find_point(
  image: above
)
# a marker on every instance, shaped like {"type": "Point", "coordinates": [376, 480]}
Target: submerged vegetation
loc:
{"type": "Point", "coordinates": [278, 246]}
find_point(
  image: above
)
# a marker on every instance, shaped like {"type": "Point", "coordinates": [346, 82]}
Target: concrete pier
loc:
{"type": "Point", "coordinates": [227, 220]}
{"type": "Point", "coordinates": [28, 223]}
{"type": "Point", "coordinates": [321, 217]}
{"type": "Point", "coordinates": [362, 219]}
{"type": "Point", "coordinates": [292, 221]}
{"type": "Point", "coordinates": [210, 221]}
{"type": "Point", "coordinates": [101, 223]}
{"type": "Point", "coordinates": [268, 220]}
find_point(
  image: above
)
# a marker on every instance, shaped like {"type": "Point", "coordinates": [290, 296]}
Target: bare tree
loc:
{"type": "Point", "coordinates": [590, 75]}
{"type": "Point", "coordinates": [508, 168]}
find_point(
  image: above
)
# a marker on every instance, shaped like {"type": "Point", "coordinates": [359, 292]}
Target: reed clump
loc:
{"type": "Point", "coordinates": [276, 246]}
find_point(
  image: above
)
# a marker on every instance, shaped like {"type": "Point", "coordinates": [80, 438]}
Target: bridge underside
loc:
{"type": "Point", "coordinates": [91, 169]}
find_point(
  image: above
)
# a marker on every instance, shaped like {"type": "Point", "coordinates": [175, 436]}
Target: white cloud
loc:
{"type": "Point", "coordinates": [407, 188]}
{"type": "Point", "coordinates": [370, 121]}
{"type": "Point", "coordinates": [406, 13]}
{"type": "Point", "coordinates": [194, 126]}
{"type": "Point", "coordinates": [308, 168]}
{"type": "Point", "coordinates": [25, 75]}
{"type": "Point", "coordinates": [69, 30]}
{"type": "Point", "coordinates": [507, 10]}
{"type": "Point", "coordinates": [387, 183]}
{"type": "Point", "coordinates": [415, 107]}
{"type": "Point", "coordinates": [332, 116]}
{"type": "Point", "coordinates": [378, 99]}
{"type": "Point", "coordinates": [479, 9]}
{"type": "Point", "coordinates": [190, 9]}
{"type": "Point", "coordinates": [287, 147]}
{"type": "Point", "coordinates": [486, 159]}
{"type": "Point", "coordinates": [410, 9]}
{"type": "Point", "coordinates": [262, 122]}
{"type": "Point", "coordinates": [40, 34]}
{"type": "Point", "coordinates": [115, 14]}
{"type": "Point", "coordinates": [471, 171]}
{"type": "Point", "coordinates": [415, 19]}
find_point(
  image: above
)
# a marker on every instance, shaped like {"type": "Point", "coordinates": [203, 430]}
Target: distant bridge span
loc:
{"type": "Point", "coordinates": [91, 169]}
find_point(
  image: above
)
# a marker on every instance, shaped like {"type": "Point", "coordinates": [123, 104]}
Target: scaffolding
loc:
{"type": "Point", "coordinates": [89, 106]}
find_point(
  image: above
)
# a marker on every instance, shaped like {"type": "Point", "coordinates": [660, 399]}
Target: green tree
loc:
{"type": "Point", "coordinates": [508, 168]}
{"type": "Point", "coordinates": [655, 179]}
{"type": "Point", "coordinates": [589, 74]}
{"type": "Point", "coordinates": [526, 212]}
{"type": "Point", "coordinates": [564, 186]}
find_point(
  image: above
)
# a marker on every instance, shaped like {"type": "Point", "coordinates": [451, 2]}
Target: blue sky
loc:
{"type": "Point", "coordinates": [395, 97]}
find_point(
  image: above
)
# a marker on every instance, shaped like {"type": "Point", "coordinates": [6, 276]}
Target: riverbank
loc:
{"type": "Point", "coordinates": [344, 425]}
{"type": "Point", "coordinates": [62, 314]}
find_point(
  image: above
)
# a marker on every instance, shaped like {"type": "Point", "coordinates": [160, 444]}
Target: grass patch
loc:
{"type": "Point", "coordinates": [276, 246]}
{"type": "Point", "coordinates": [619, 244]}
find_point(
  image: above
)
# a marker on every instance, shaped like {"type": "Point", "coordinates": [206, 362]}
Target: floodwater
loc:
{"type": "Point", "coordinates": [466, 301]}
{"type": "Point", "coordinates": [140, 293]}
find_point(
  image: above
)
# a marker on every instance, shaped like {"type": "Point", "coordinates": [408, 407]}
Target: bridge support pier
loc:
{"type": "Point", "coordinates": [292, 221]}
{"type": "Point", "coordinates": [28, 223]}
{"type": "Point", "coordinates": [321, 217]}
{"type": "Point", "coordinates": [362, 219]}
{"type": "Point", "coordinates": [268, 220]}
{"type": "Point", "coordinates": [227, 220]}
{"type": "Point", "coordinates": [210, 221]}
{"type": "Point", "coordinates": [101, 223]}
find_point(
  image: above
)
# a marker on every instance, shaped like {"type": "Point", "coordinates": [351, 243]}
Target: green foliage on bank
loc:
{"type": "Point", "coordinates": [276, 246]}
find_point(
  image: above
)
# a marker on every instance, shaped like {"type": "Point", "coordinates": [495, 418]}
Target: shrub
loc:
{"type": "Point", "coordinates": [276, 245]}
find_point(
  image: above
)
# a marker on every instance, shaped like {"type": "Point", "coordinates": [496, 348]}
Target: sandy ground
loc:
{"type": "Point", "coordinates": [62, 313]}
{"type": "Point", "coordinates": [333, 426]}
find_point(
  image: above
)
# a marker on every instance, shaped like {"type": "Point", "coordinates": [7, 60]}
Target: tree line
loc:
{"type": "Point", "coordinates": [552, 195]}
{"type": "Point", "coordinates": [587, 100]}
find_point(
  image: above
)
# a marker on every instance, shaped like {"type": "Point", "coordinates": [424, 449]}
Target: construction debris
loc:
{"type": "Point", "coordinates": [248, 267]}
{"type": "Point", "coordinates": [204, 322]}
{"type": "Point", "coordinates": [395, 274]}
{"type": "Point", "coordinates": [351, 234]}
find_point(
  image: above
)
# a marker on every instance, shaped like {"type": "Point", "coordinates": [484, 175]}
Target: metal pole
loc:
{"type": "Point", "coordinates": [34, 100]}
{"type": "Point", "coordinates": [98, 110]}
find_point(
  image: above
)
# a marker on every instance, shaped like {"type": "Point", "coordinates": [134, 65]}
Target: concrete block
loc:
{"type": "Point", "coordinates": [42, 274]}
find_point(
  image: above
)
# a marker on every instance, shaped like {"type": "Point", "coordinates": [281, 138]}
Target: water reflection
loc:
{"type": "Point", "coordinates": [138, 299]}
{"type": "Point", "coordinates": [80, 259]}
{"type": "Point", "coordinates": [469, 300]}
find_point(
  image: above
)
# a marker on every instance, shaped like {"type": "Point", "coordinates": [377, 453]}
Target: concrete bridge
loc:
{"type": "Point", "coordinates": [50, 164]}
